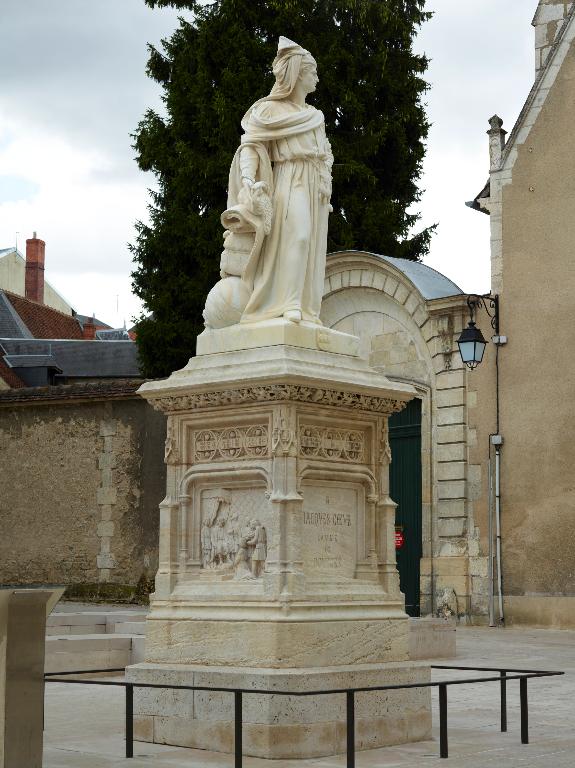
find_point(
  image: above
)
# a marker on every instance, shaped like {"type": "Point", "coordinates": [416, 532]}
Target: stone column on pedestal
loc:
{"type": "Point", "coordinates": [277, 559]}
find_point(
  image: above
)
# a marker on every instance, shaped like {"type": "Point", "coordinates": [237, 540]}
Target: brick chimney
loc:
{"type": "Point", "coordinates": [548, 21]}
{"type": "Point", "coordinates": [34, 285]}
{"type": "Point", "coordinates": [89, 328]}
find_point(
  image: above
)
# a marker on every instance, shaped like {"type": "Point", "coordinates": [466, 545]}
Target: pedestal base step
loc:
{"type": "Point", "coordinates": [281, 726]}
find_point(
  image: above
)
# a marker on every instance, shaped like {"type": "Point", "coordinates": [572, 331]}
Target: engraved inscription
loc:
{"type": "Point", "coordinates": [330, 530]}
{"type": "Point", "coordinates": [230, 443]}
{"type": "Point", "coordinates": [329, 443]}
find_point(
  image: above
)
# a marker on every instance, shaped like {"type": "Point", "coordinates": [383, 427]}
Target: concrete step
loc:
{"type": "Point", "coordinates": [131, 628]}
{"type": "Point", "coordinates": [69, 652]}
{"type": "Point", "coordinates": [91, 623]}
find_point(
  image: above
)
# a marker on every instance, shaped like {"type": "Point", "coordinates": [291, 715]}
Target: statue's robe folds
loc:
{"type": "Point", "coordinates": [285, 146]}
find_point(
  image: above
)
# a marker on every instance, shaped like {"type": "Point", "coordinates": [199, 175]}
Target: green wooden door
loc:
{"type": "Point", "coordinates": [405, 490]}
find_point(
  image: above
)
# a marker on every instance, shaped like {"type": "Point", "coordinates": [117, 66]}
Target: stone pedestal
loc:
{"type": "Point", "coordinates": [277, 558]}
{"type": "Point", "coordinates": [23, 614]}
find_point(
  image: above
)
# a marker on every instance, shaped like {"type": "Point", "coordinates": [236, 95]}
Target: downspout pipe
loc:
{"type": "Point", "coordinates": [491, 554]}
{"type": "Point", "coordinates": [498, 527]}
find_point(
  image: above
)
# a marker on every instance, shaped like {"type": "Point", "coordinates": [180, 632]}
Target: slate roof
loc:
{"type": "Point", "coordinates": [11, 324]}
{"type": "Point", "coordinates": [81, 359]}
{"type": "Point", "coordinates": [113, 334]}
{"type": "Point", "coordinates": [32, 361]}
{"type": "Point", "coordinates": [90, 319]}
{"type": "Point", "coordinates": [429, 282]}
{"type": "Point", "coordinates": [43, 322]}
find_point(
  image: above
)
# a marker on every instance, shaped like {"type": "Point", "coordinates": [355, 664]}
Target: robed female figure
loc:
{"type": "Point", "coordinates": [284, 146]}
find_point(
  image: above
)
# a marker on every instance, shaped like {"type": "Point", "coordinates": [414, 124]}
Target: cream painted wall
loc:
{"type": "Point", "coordinates": [12, 273]}
{"type": "Point", "coordinates": [12, 278]}
{"type": "Point", "coordinates": [537, 369]}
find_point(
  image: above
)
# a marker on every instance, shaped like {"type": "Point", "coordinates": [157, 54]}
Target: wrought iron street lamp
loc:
{"type": "Point", "coordinates": [471, 342]}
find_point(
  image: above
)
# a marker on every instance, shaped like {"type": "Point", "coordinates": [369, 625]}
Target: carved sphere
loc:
{"type": "Point", "coordinates": [226, 302]}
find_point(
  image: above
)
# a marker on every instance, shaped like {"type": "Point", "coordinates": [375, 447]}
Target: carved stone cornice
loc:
{"type": "Point", "coordinates": [274, 393]}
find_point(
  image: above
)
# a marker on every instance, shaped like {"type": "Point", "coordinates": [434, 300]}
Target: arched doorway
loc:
{"type": "Point", "coordinates": [405, 490]}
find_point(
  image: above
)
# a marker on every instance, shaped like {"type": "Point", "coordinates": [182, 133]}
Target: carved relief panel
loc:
{"type": "Point", "coordinates": [234, 525]}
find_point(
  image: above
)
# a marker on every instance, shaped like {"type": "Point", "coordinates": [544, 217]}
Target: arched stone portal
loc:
{"type": "Point", "coordinates": [408, 317]}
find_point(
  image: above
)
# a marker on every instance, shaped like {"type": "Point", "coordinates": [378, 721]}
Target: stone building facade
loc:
{"type": "Point", "coordinates": [523, 390]}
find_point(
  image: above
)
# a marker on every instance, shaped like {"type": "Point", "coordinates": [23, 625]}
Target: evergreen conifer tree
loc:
{"type": "Point", "coordinates": [211, 70]}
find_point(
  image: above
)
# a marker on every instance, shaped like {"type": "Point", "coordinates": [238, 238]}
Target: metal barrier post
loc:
{"type": "Point", "coordinates": [524, 711]}
{"type": "Point", "coordinates": [129, 720]}
{"type": "Point", "coordinates": [350, 701]}
{"type": "Point", "coordinates": [443, 745]}
{"type": "Point", "coordinates": [238, 729]}
{"type": "Point", "coordinates": [503, 684]}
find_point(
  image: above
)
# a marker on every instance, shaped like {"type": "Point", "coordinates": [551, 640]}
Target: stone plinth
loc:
{"type": "Point", "coordinates": [276, 538]}
{"type": "Point", "coordinates": [281, 726]}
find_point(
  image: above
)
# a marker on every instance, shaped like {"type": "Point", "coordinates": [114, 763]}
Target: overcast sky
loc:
{"type": "Point", "coordinates": [73, 87]}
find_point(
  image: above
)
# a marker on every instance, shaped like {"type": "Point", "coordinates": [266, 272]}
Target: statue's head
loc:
{"type": "Point", "coordinates": [291, 64]}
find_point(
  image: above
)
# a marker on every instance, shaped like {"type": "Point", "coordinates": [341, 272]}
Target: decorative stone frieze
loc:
{"type": "Point", "coordinates": [328, 443]}
{"type": "Point", "coordinates": [274, 393]}
{"type": "Point", "coordinates": [230, 443]}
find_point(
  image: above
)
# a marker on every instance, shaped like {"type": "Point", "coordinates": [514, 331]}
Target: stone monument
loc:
{"type": "Point", "coordinates": [23, 612]}
{"type": "Point", "coordinates": [277, 559]}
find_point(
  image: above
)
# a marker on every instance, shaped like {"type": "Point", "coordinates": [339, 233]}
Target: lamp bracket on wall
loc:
{"type": "Point", "coordinates": [490, 304]}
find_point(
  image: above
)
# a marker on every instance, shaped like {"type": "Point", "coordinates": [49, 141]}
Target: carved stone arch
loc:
{"type": "Point", "coordinates": [360, 286]}
{"type": "Point", "coordinates": [370, 297]}
{"type": "Point", "coordinates": [223, 473]}
{"type": "Point", "coordinates": [199, 479]}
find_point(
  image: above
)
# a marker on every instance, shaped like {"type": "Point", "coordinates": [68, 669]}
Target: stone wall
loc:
{"type": "Point", "coordinates": [82, 478]}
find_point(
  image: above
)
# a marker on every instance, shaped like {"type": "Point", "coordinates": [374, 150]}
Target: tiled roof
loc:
{"type": "Point", "coordinates": [82, 358]}
{"type": "Point", "coordinates": [8, 375]}
{"type": "Point", "coordinates": [44, 322]}
{"type": "Point", "coordinates": [93, 390]}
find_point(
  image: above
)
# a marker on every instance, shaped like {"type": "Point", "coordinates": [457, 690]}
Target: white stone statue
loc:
{"type": "Point", "coordinates": [273, 263]}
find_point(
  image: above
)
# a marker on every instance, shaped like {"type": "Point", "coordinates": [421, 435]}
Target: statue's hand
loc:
{"type": "Point", "coordinates": [247, 183]}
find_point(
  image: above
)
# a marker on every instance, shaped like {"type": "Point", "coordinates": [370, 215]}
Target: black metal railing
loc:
{"type": "Point", "coordinates": [504, 675]}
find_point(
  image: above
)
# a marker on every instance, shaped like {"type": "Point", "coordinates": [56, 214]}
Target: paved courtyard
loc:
{"type": "Point", "coordinates": [84, 724]}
